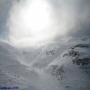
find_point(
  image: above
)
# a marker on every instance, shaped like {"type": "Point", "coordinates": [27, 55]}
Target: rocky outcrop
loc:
{"type": "Point", "coordinates": [76, 54]}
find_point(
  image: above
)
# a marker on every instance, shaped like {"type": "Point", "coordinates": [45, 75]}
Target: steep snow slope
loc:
{"type": "Point", "coordinates": [72, 67]}
{"type": "Point", "coordinates": [12, 72]}
{"type": "Point", "coordinates": [41, 57]}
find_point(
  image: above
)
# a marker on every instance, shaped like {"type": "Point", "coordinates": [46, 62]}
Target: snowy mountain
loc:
{"type": "Point", "coordinates": [72, 68]}
{"type": "Point", "coordinates": [65, 67]}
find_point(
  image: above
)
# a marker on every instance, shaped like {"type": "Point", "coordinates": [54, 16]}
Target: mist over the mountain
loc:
{"type": "Point", "coordinates": [45, 44]}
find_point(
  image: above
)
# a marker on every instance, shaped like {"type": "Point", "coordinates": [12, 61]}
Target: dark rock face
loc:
{"type": "Point", "coordinates": [50, 52]}
{"type": "Point", "coordinates": [72, 53]}
{"type": "Point", "coordinates": [57, 71]}
{"type": "Point", "coordinates": [76, 54]}
{"type": "Point", "coordinates": [82, 46]}
{"type": "Point", "coordinates": [83, 61]}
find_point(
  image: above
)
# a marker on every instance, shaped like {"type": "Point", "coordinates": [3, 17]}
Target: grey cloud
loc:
{"type": "Point", "coordinates": [78, 12]}
{"type": "Point", "coordinates": [4, 12]}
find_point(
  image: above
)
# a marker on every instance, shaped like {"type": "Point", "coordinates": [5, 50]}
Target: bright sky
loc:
{"type": "Point", "coordinates": [31, 23]}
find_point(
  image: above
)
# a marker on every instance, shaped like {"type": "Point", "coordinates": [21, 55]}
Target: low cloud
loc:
{"type": "Point", "coordinates": [70, 18]}
{"type": "Point", "coordinates": [77, 13]}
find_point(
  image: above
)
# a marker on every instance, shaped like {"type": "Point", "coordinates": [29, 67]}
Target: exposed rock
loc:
{"type": "Point", "coordinates": [57, 71]}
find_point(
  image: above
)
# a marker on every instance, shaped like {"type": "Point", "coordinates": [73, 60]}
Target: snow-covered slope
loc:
{"type": "Point", "coordinates": [72, 67]}
{"type": "Point", "coordinates": [12, 72]}
{"type": "Point", "coordinates": [56, 67]}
